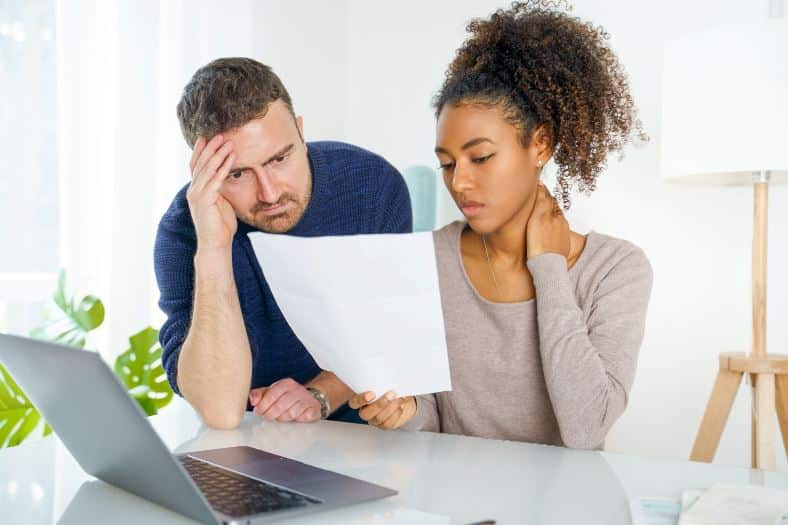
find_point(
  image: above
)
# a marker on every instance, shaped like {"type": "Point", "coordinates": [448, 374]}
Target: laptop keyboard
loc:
{"type": "Point", "coordinates": [236, 495]}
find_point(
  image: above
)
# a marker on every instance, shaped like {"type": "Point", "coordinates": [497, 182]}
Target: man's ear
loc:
{"type": "Point", "coordinates": [300, 126]}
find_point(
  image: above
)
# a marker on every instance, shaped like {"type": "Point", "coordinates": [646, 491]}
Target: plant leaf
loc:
{"type": "Point", "coordinates": [75, 319]}
{"type": "Point", "coordinates": [140, 369]}
{"type": "Point", "coordinates": [30, 421]}
{"type": "Point", "coordinates": [89, 314]}
{"type": "Point", "coordinates": [140, 393]}
{"type": "Point", "coordinates": [18, 417]}
{"type": "Point", "coordinates": [60, 292]}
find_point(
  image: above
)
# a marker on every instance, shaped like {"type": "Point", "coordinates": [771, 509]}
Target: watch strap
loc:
{"type": "Point", "coordinates": [325, 406]}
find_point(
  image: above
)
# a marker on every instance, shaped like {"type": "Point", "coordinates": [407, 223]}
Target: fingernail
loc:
{"type": "Point", "coordinates": [369, 396]}
{"type": "Point", "coordinates": [390, 395]}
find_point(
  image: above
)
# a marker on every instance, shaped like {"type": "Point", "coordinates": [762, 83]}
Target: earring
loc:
{"type": "Point", "coordinates": [539, 163]}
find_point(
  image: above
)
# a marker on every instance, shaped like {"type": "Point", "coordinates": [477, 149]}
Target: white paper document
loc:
{"type": "Point", "coordinates": [366, 307]}
{"type": "Point", "coordinates": [737, 505]}
{"type": "Point", "coordinates": [662, 511]}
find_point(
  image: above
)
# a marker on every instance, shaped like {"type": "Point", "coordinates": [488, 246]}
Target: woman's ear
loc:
{"type": "Point", "coordinates": [542, 142]}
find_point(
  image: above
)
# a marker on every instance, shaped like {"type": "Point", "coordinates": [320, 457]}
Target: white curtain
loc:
{"type": "Point", "coordinates": [121, 68]}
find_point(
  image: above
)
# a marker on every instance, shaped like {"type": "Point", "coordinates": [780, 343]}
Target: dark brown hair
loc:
{"type": "Point", "coordinates": [226, 94]}
{"type": "Point", "coordinates": [544, 67]}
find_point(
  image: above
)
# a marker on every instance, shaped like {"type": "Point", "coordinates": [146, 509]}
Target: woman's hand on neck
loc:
{"type": "Point", "coordinates": [547, 230]}
{"type": "Point", "coordinates": [539, 228]}
{"type": "Point", "coordinates": [508, 243]}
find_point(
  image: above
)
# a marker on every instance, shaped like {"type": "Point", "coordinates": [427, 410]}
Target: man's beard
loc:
{"type": "Point", "coordinates": [281, 222]}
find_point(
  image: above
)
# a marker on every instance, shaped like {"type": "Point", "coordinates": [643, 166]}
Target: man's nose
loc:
{"type": "Point", "coordinates": [267, 188]}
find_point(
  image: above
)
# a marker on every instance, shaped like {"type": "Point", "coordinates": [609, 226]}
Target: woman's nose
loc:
{"type": "Point", "coordinates": [462, 178]}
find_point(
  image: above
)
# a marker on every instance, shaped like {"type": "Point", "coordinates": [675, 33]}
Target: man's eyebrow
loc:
{"type": "Point", "coordinates": [281, 153]}
{"type": "Point", "coordinates": [471, 143]}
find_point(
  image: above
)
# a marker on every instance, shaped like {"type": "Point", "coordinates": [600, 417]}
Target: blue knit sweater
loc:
{"type": "Point", "coordinates": [353, 192]}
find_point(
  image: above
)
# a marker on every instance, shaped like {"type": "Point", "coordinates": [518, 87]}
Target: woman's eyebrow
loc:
{"type": "Point", "coordinates": [469, 144]}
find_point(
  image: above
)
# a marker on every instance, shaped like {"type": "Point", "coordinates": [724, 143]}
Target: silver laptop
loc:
{"type": "Point", "coordinates": [108, 434]}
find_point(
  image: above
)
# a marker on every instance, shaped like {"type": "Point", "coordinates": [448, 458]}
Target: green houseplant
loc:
{"type": "Point", "coordinates": [139, 367]}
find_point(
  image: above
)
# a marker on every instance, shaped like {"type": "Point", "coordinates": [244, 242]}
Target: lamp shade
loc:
{"type": "Point", "coordinates": [725, 104]}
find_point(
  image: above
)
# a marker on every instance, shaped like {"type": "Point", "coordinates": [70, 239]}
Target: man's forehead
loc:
{"type": "Point", "coordinates": [266, 129]}
{"type": "Point", "coordinates": [260, 138]}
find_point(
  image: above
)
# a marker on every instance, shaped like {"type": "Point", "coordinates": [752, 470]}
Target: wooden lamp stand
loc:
{"type": "Point", "coordinates": [768, 373]}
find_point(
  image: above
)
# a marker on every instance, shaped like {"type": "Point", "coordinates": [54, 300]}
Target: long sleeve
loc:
{"type": "Point", "coordinates": [395, 214]}
{"type": "Point", "coordinates": [173, 256]}
{"type": "Point", "coordinates": [589, 367]}
{"type": "Point", "coordinates": [426, 417]}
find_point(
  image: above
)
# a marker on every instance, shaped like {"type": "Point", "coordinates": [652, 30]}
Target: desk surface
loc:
{"type": "Point", "coordinates": [441, 478]}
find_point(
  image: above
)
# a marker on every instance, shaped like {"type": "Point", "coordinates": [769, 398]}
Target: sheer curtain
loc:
{"type": "Point", "coordinates": [121, 68]}
{"type": "Point", "coordinates": [29, 237]}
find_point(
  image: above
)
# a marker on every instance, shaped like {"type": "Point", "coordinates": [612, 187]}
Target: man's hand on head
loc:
{"type": "Point", "coordinates": [285, 400]}
{"type": "Point", "coordinates": [214, 218]}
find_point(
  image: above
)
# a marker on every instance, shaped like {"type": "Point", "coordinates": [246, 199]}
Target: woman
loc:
{"type": "Point", "coordinates": [543, 325]}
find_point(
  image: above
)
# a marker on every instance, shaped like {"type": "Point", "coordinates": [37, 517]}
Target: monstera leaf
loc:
{"type": "Point", "coordinates": [70, 326]}
{"type": "Point", "coordinates": [18, 417]}
{"type": "Point", "coordinates": [140, 369]}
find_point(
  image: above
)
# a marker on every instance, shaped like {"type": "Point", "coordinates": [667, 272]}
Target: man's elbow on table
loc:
{"type": "Point", "coordinates": [216, 413]}
{"type": "Point", "coordinates": [221, 417]}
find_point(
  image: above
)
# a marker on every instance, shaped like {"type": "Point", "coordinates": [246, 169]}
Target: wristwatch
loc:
{"type": "Point", "coordinates": [325, 406]}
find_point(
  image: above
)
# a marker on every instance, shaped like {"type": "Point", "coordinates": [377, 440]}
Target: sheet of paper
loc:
{"type": "Point", "coordinates": [689, 497]}
{"type": "Point", "coordinates": [737, 505]}
{"type": "Point", "coordinates": [366, 307]}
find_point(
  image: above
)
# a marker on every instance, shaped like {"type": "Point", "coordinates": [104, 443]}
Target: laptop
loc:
{"type": "Point", "coordinates": [108, 434]}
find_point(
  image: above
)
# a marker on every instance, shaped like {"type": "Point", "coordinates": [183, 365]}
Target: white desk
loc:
{"type": "Point", "coordinates": [441, 478]}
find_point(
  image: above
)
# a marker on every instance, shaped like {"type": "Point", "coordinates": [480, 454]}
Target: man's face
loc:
{"type": "Point", "coordinates": [270, 182]}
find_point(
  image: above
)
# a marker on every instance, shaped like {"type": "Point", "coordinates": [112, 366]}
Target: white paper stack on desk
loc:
{"type": "Point", "coordinates": [719, 505]}
{"type": "Point", "coordinates": [735, 505]}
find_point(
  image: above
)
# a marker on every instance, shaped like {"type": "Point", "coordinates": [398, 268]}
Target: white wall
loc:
{"type": "Point", "coordinates": [305, 43]}
{"type": "Point", "coordinates": [698, 240]}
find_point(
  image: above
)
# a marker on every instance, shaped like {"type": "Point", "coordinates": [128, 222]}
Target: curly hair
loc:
{"type": "Point", "coordinates": [544, 67]}
{"type": "Point", "coordinates": [226, 94]}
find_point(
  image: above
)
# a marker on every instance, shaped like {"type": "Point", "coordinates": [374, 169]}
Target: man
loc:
{"type": "Point", "coordinates": [226, 345]}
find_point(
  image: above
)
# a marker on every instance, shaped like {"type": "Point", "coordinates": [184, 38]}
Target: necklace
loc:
{"type": "Point", "coordinates": [489, 265]}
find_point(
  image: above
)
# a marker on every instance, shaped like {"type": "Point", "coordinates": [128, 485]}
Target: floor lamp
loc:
{"type": "Point", "coordinates": [725, 122]}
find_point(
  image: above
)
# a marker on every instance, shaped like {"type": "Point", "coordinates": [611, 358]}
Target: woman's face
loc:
{"type": "Point", "coordinates": [489, 173]}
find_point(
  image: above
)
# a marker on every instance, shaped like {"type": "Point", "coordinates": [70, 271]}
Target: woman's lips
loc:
{"type": "Point", "coordinates": [471, 209]}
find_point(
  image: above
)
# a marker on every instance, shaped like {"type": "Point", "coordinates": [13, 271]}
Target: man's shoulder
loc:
{"type": "Point", "coordinates": [177, 218]}
{"type": "Point", "coordinates": [350, 161]}
{"type": "Point", "coordinates": [337, 151]}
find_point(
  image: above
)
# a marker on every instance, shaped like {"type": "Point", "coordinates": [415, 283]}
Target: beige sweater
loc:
{"type": "Point", "coordinates": [556, 369]}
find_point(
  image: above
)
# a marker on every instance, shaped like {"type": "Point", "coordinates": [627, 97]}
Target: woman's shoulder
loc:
{"type": "Point", "coordinates": [448, 235]}
{"type": "Point", "coordinates": [605, 256]}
